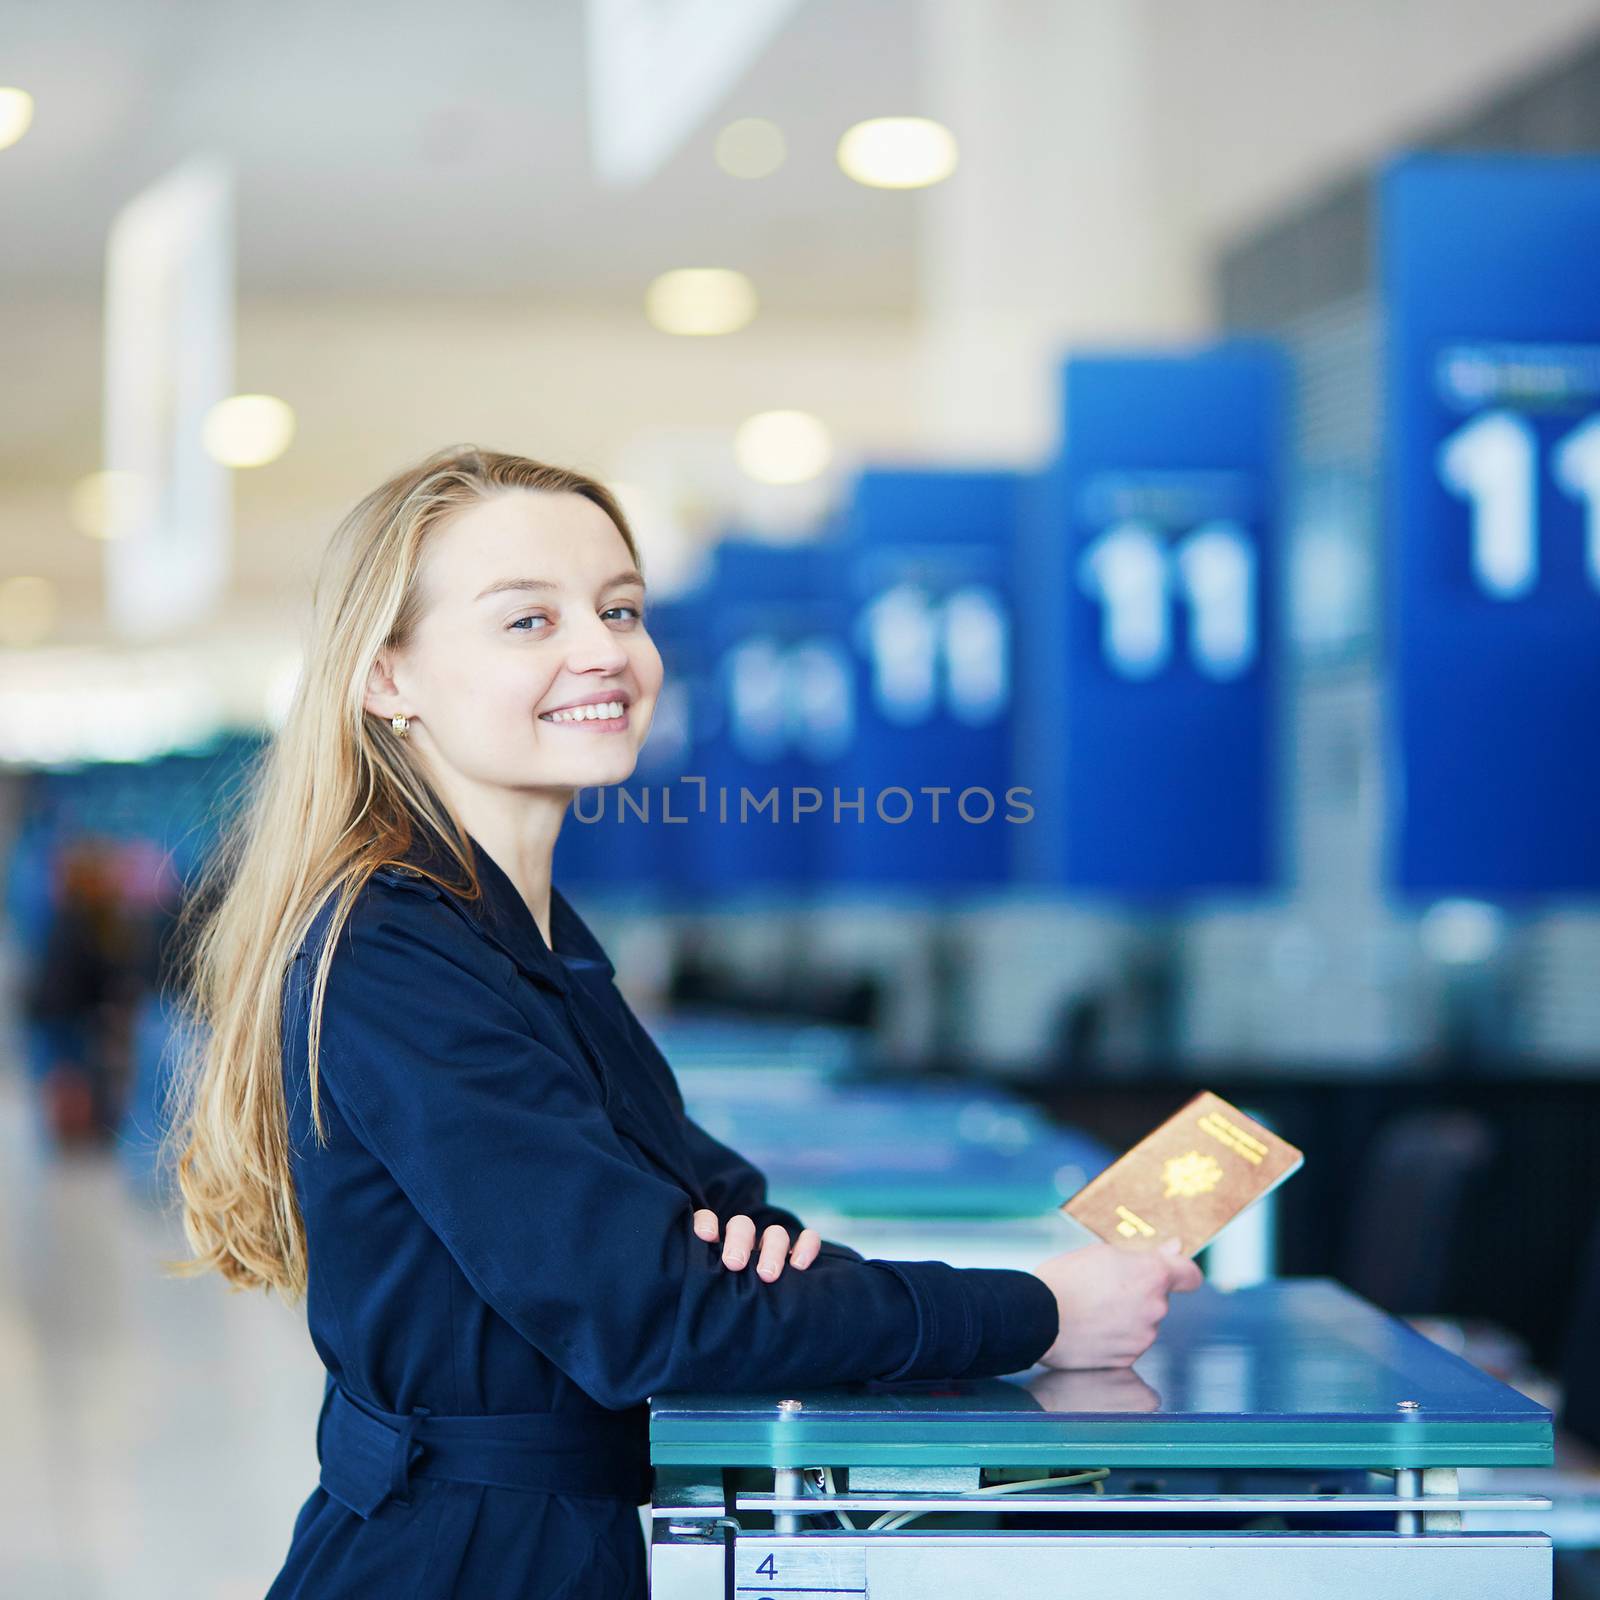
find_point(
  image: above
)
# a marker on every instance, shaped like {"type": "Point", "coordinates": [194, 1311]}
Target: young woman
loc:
{"type": "Point", "coordinates": [417, 1097]}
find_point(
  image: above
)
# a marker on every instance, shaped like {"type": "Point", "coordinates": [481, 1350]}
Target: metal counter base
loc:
{"type": "Point", "coordinates": [1286, 1439]}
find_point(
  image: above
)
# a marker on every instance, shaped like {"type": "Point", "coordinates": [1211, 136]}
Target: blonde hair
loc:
{"type": "Point", "coordinates": [333, 797]}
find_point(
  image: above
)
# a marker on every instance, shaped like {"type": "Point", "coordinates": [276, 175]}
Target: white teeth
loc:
{"type": "Point", "coordinates": [605, 709]}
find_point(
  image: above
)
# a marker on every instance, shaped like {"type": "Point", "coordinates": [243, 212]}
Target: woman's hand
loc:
{"type": "Point", "coordinates": [1110, 1300]}
{"type": "Point", "coordinates": [741, 1240]}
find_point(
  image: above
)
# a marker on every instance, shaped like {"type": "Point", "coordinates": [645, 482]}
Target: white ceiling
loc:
{"type": "Point", "coordinates": [413, 175]}
{"type": "Point", "coordinates": [440, 147]}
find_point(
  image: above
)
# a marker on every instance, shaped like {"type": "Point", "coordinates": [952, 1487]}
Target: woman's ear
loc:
{"type": "Point", "coordinates": [382, 697]}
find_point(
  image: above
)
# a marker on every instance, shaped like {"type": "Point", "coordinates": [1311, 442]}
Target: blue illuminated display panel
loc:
{"type": "Point", "coordinates": [780, 717]}
{"type": "Point", "coordinates": [1149, 633]}
{"type": "Point", "coordinates": [928, 559]}
{"type": "Point", "coordinates": [1492, 392]}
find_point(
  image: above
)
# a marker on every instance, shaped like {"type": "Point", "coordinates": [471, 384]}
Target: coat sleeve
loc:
{"type": "Point", "coordinates": [732, 1183]}
{"type": "Point", "coordinates": [504, 1147]}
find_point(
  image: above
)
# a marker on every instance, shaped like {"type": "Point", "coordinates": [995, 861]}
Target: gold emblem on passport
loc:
{"type": "Point", "coordinates": [1190, 1174]}
{"type": "Point", "coordinates": [1188, 1179]}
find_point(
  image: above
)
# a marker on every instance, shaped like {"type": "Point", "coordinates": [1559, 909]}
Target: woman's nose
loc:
{"type": "Point", "coordinates": [596, 648]}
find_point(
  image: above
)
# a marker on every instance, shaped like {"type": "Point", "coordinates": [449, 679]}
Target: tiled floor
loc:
{"type": "Point", "coordinates": [156, 1435]}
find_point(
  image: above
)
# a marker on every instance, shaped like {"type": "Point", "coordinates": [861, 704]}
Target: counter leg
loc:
{"type": "Point", "coordinates": [788, 1483]}
{"type": "Point", "coordinates": [1408, 1486]}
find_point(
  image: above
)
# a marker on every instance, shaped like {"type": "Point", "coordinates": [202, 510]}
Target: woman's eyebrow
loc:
{"type": "Point", "coordinates": [503, 584]}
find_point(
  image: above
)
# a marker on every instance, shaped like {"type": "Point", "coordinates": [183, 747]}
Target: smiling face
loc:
{"type": "Point", "coordinates": [531, 603]}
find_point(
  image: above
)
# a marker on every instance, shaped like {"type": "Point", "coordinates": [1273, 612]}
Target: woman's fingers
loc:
{"type": "Point", "coordinates": [738, 1242]}
{"type": "Point", "coordinates": [774, 1248]}
{"type": "Point", "coordinates": [806, 1249]}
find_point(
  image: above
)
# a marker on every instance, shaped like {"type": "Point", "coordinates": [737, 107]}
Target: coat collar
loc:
{"type": "Point", "coordinates": [503, 917]}
{"type": "Point", "coordinates": [500, 912]}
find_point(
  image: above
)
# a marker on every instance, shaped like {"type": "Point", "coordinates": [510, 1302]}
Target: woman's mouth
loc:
{"type": "Point", "coordinates": [607, 716]}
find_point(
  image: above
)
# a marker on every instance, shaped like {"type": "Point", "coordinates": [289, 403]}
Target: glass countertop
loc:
{"type": "Point", "coordinates": [1296, 1372]}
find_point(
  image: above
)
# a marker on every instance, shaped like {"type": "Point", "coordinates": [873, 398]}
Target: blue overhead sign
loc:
{"type": "Point", "coordinates": [1147, 626]}
{"type": "Point", "coordinates": [924, 793]}
{"type": "Point", "coordinates": [780, 715]}
{"type": "Point", "coordinates": [1492, 395]}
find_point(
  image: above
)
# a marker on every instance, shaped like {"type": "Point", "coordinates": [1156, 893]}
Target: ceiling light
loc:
{"type": "Point", "coordinates": [898, 152]}
{"type": "Point", "coordinates": [28, 608]}
{"type": "Point", "coordinates": [783, 446]}
{"type": "Point", "coordinates": [249, 430]}
{"type": "Point", "coordinates": [16, 115]}
{"type": "Point", "coordinates": [700, 300]}
{"type": "Point", "coordinates": [752, 147]}
{"type": "Point", "coordinates": [639, 506]}
{"type": "Point", "coordinates": [107, 505]}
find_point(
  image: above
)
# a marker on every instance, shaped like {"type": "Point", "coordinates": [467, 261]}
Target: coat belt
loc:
{"type": "Point", "coordinates": [369, 1455]}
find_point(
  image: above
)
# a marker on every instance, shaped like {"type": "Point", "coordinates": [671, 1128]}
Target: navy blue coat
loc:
{"type": "Point", "coordinates": [501, 1224]}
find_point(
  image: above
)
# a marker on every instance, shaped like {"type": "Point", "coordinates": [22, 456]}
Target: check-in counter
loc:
{"type": "Point", "coordinates": [1285, 1438]}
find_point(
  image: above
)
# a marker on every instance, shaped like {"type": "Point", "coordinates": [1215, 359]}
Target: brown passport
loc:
{"type": "Point", "coordinates": [1187, 1180]}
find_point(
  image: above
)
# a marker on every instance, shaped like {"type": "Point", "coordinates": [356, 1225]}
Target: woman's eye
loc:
{"type": "Point", "coordinates": [632, 611]}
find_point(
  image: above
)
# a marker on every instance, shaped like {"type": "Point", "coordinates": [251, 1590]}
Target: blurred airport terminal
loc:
{"type": "Point", "coordinates": [1119, 488]}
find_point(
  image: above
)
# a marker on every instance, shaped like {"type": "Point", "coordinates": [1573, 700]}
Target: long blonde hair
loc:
{"type": "Point", "coordinates": [334, 796]}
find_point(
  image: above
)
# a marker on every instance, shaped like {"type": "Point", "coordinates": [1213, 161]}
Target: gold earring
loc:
{"type": "Point", "coordinates": [401, 726]}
